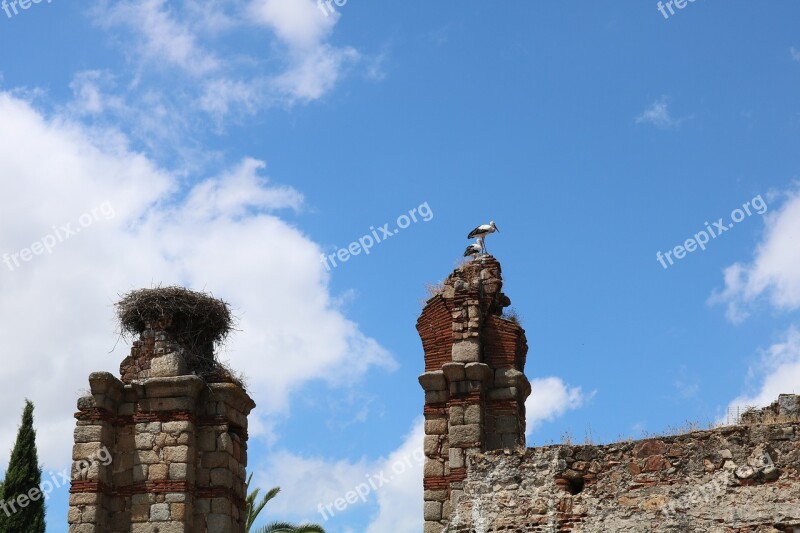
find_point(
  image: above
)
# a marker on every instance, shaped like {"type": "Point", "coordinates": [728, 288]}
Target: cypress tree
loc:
{"type": "Point", "coordinates": [23, 477]}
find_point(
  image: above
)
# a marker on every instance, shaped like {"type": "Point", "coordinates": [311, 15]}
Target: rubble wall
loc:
{"type": "Point", "coordinates": [743, 478]}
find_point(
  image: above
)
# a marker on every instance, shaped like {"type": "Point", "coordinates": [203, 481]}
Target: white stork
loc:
{"type": "Point", "coordinates": [481, 232]}
{"type": "Point", "coordinates": [473, 249]}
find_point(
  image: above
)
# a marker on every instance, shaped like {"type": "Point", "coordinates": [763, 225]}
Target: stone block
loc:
{"type": "Point", "coordinates": [479, 372]}
{"type": "Point", "coordinates": [224, 442]}
{"type": "Point", "coordinates": [436, 426]}
{"type": "Point", "coordinates": [507, 393]}
{"type": "Point", "coordinates": [177, 511]}
{"type": "Point", "coordinates": [433, 397]}
{"type": "Point", "coordinates": [432, 511]}
{"type": "Point", "coordinates": [177, 454]}
{"type": "Point", "coordinates": [163, 527]}
{"type": "Point", "coordinates": [86, 402]}
{"type": "Point", "coordinates": [454, 371]}
{"type": "Point", "coordinates": [456, 458]}
{"type": "Point", "coordinates": [145, 457]}
{"type": "Point", "coordinates": [83, 528]}
{"type": "Point", "coordinates": [433, 468]}
{"type": "Point", "coordinates": [84, 451]}
{"type": "Point", "coordinates": [215, 459]}
{"type": "Point", "coordinates": [84, 434]}
{"type": "Point", "coordinates": [467, 351]}
{"type": "Point", "coordinates": [649, 447]}
{"type": "Point", "coordinates": [220, 506]}
{"type": "Point", "coordinates": [506, 377]}
{"type": "Point", "coordinates": [84, 498]}
{"type": "Point", "coordinates": [144, 441]}
{"type": "Point", "coordinates": [157, 472]}
{"type": "Point", "coordinates": [177, 426]}
{"type": "Point", "coordinates": [431, 445]}
{"type": "Point", "coordinates": [433, 381]}
{"type": "Point", "coordinates": [73, 515]}
{"type": "Point", "coordinates": [159, 512]}
{"type": "Point", "coordinates": [168, 365]}
{"type": "Point", "coordinates": [221, 477]}
{"type": "Point", "coordinates": [178, 471]}
{"type": "Point", "coordinates": [435, 495]}
{"type": "Point", "coordinates": [465, 436]}
{"type": "Point", "coordinates": [472, 414]}
{"type": "Point", "coordinates": [432, 527]}
{"type": "Point", "coordinates": [207, 440]}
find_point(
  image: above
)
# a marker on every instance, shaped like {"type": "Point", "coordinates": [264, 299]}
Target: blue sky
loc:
{"type": "Point", "coordinates": [236, 142]}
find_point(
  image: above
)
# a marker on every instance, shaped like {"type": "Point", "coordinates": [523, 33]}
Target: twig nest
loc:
{"type": "Point", "coordinates": [194, 318]}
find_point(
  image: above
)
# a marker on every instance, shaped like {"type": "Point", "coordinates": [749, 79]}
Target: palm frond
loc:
{"type": "Point", "coordinates": [254, 509]}
{"type": "Point", "coordinates": [286, 527]}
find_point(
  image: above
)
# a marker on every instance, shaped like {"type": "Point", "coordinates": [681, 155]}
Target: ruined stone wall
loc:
{"type": "Point", "coordinates": [177, 443]}
{"type": "Point", "coordinates": [479, 478]}
{"type": "Point", "coordinates": [474, 384]}
{"type": "Point", "coordinates": [743, 478]}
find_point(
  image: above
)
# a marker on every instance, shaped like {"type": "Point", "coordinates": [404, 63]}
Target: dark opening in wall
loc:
{"type": "Point", "coordinates": [575, 485]}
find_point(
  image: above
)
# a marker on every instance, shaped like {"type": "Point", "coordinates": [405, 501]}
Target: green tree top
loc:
{"type": "Point", "coordinates": [23, 475]}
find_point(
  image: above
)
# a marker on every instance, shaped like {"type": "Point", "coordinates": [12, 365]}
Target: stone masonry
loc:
{"type": "Point", "coordinates": [480, 478]}
{"type": "Point", "coordinates": [475, 389]}
{"type": "Point", "coordinates": [177, 442]}
{"type": "Point", "coordinates": [733, 479]}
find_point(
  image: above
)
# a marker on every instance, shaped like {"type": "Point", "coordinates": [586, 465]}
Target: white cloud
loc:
{"type": "Point", "coordinates": [551, 398]}
{"type": "Point", "coordinates": [222, 234]}
{"type": "Point", "coordinates": [90, 97]}
{"type": "Point", "coordinates": [299, 23]}
{"type": "Point", "coordinates": [300, 67]}
{"type": "Point", "coordinates": [659, 115]}
{"type": "Point", "coordinates": [795, 53]}
{"type": "Point", "coordinates": [310, 485]}
{"type": "Point", "coordinates": [314, 72]}
{"type": "Point", "coordinates": [776, 372]}
{"type": "Point", "coordinates": [150, 118]}
{"type": "Point", "coordinates": [314, 66]}
{"type": "Point", "coordinates": [221, 96]}
{"type": "Point", "coordinates": [401, 501]}
{"type": "Point", "coordinates": [162, 39]}
{"type": "Point", "coordinates": [774, 273]}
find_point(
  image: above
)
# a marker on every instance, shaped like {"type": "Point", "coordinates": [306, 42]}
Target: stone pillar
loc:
{"type": "Point", "coordinates": [165, 445]}
{"type": "Point", "coordinates": [474, 384]}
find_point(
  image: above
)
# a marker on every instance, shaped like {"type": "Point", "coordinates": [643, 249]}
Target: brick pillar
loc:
{"type": "Point", "coordinates": [474, 384]}
{"type": "Point", "coordinates": [166, 446]}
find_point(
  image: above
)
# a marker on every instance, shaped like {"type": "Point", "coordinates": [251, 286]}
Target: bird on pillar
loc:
{"type": "Point", "coordinates": [481, 232]}
{"type": "Point", "coordinates": [473, 249]}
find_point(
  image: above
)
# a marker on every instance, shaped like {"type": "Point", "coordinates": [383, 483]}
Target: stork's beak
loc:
{"type": "Point", "coordinates": [497, 229]}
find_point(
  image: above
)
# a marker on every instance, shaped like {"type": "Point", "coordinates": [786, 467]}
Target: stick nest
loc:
{"type": "Point", "coordinates": [195, 318]}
